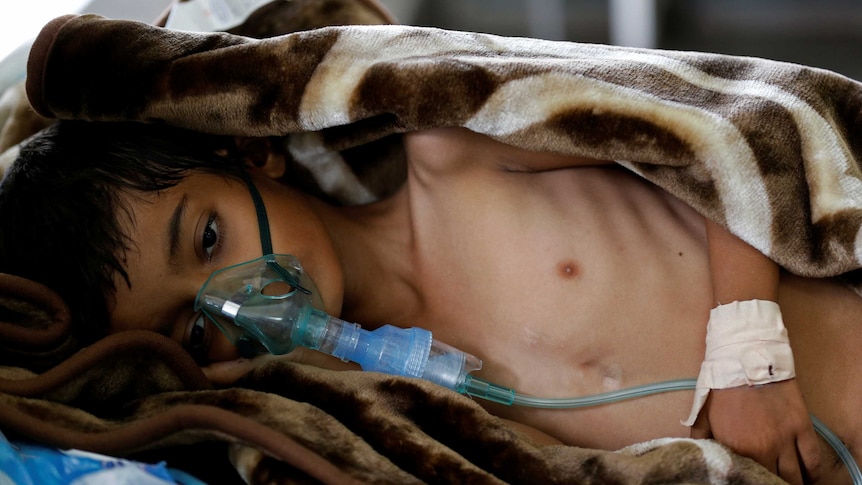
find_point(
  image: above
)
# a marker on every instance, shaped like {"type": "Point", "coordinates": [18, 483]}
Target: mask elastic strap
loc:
{"type": "Point", "coordinates": [266, 238]}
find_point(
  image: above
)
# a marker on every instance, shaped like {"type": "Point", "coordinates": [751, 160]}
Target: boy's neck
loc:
{"type": "Point", "coordinates": [374, 244]}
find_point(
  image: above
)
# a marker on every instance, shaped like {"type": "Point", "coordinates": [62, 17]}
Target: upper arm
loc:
{"type": "Point", "coordinates": [450, 149]}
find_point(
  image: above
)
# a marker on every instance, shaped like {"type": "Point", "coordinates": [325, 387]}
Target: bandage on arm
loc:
{"type": "Point", "coordinates": [746, 345]}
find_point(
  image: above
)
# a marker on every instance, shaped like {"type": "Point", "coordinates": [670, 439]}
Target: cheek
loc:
{"type": "Point", "coordinates": [297, 230]}
{"type": "Point", "coordinates": [317, 256]}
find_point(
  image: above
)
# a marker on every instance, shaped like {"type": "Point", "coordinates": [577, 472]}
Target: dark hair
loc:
{"type": "Point", "coordinates": [62, 207]}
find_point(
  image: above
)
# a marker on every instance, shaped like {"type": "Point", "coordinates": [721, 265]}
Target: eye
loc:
{"type": "Point", "coordinates": [210, 238]}
{"type": "Point", "coordinates": [198, 337]}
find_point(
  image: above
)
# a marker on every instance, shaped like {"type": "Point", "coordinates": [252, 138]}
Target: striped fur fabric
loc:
{"type": "Point", "coordinates": [770, 150]}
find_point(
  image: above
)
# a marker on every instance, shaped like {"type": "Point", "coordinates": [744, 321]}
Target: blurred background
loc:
{"type": "Point", "coordinates": [821, 33]}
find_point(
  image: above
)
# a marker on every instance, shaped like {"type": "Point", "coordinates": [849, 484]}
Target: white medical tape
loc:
{"type": "Point", "coordinates": [746, 345]}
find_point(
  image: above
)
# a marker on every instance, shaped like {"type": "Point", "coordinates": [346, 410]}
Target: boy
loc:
{"type": "Point", "coordinates": [566, 276]}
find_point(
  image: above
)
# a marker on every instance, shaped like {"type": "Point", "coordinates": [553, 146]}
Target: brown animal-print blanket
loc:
{"type": "Point", "coordinates": [769, 149]}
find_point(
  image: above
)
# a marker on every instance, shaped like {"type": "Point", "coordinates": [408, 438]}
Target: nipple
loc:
{"type": "Point", "coordinates": [568, 269]}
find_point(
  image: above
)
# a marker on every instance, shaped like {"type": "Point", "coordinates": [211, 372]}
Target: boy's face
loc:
{"type": "Point", "coordinates": [204, 223]}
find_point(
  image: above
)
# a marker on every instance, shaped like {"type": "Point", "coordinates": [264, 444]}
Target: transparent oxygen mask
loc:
{"type": "Point", "coordinates": [268, 302]}
{"type": "Point", "coordinates": [272, 304]}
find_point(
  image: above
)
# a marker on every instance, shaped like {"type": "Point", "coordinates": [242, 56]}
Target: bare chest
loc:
{"type": "Point", "coordinates": [564, 283]}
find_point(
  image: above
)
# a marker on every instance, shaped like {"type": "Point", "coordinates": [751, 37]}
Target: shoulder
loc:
{"type": "Point", "coordinates": [450, 150]}
{"type": "Point", "coordinates": [443, 150]}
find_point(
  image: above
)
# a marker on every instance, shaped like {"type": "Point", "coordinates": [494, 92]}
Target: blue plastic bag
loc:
{"type": "Point", "coordinates": [31, 464]}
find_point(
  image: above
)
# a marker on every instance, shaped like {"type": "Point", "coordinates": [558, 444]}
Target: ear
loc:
{"type": "Point", "coordinates": [260, 155]}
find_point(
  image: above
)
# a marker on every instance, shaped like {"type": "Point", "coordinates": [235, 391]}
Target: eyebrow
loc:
{"type": "Point", "coordinates": [175, 230]}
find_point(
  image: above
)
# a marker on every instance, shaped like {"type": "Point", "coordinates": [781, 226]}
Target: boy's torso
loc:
{"type": "Point", "coordinates": [565, 283]}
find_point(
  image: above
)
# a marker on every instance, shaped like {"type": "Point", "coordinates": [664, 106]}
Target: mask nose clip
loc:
{"type": "Point", "coordinates": [286, 276]}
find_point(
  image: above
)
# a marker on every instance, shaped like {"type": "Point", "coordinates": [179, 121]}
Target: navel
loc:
{"type": "Point", "coordinates": [568, 269]}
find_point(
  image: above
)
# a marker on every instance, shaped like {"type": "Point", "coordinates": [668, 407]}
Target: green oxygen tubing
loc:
{"type": "Point", "coordinates": [268, 305]}
{"type": "Point", "coordinates": [480, 388]}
